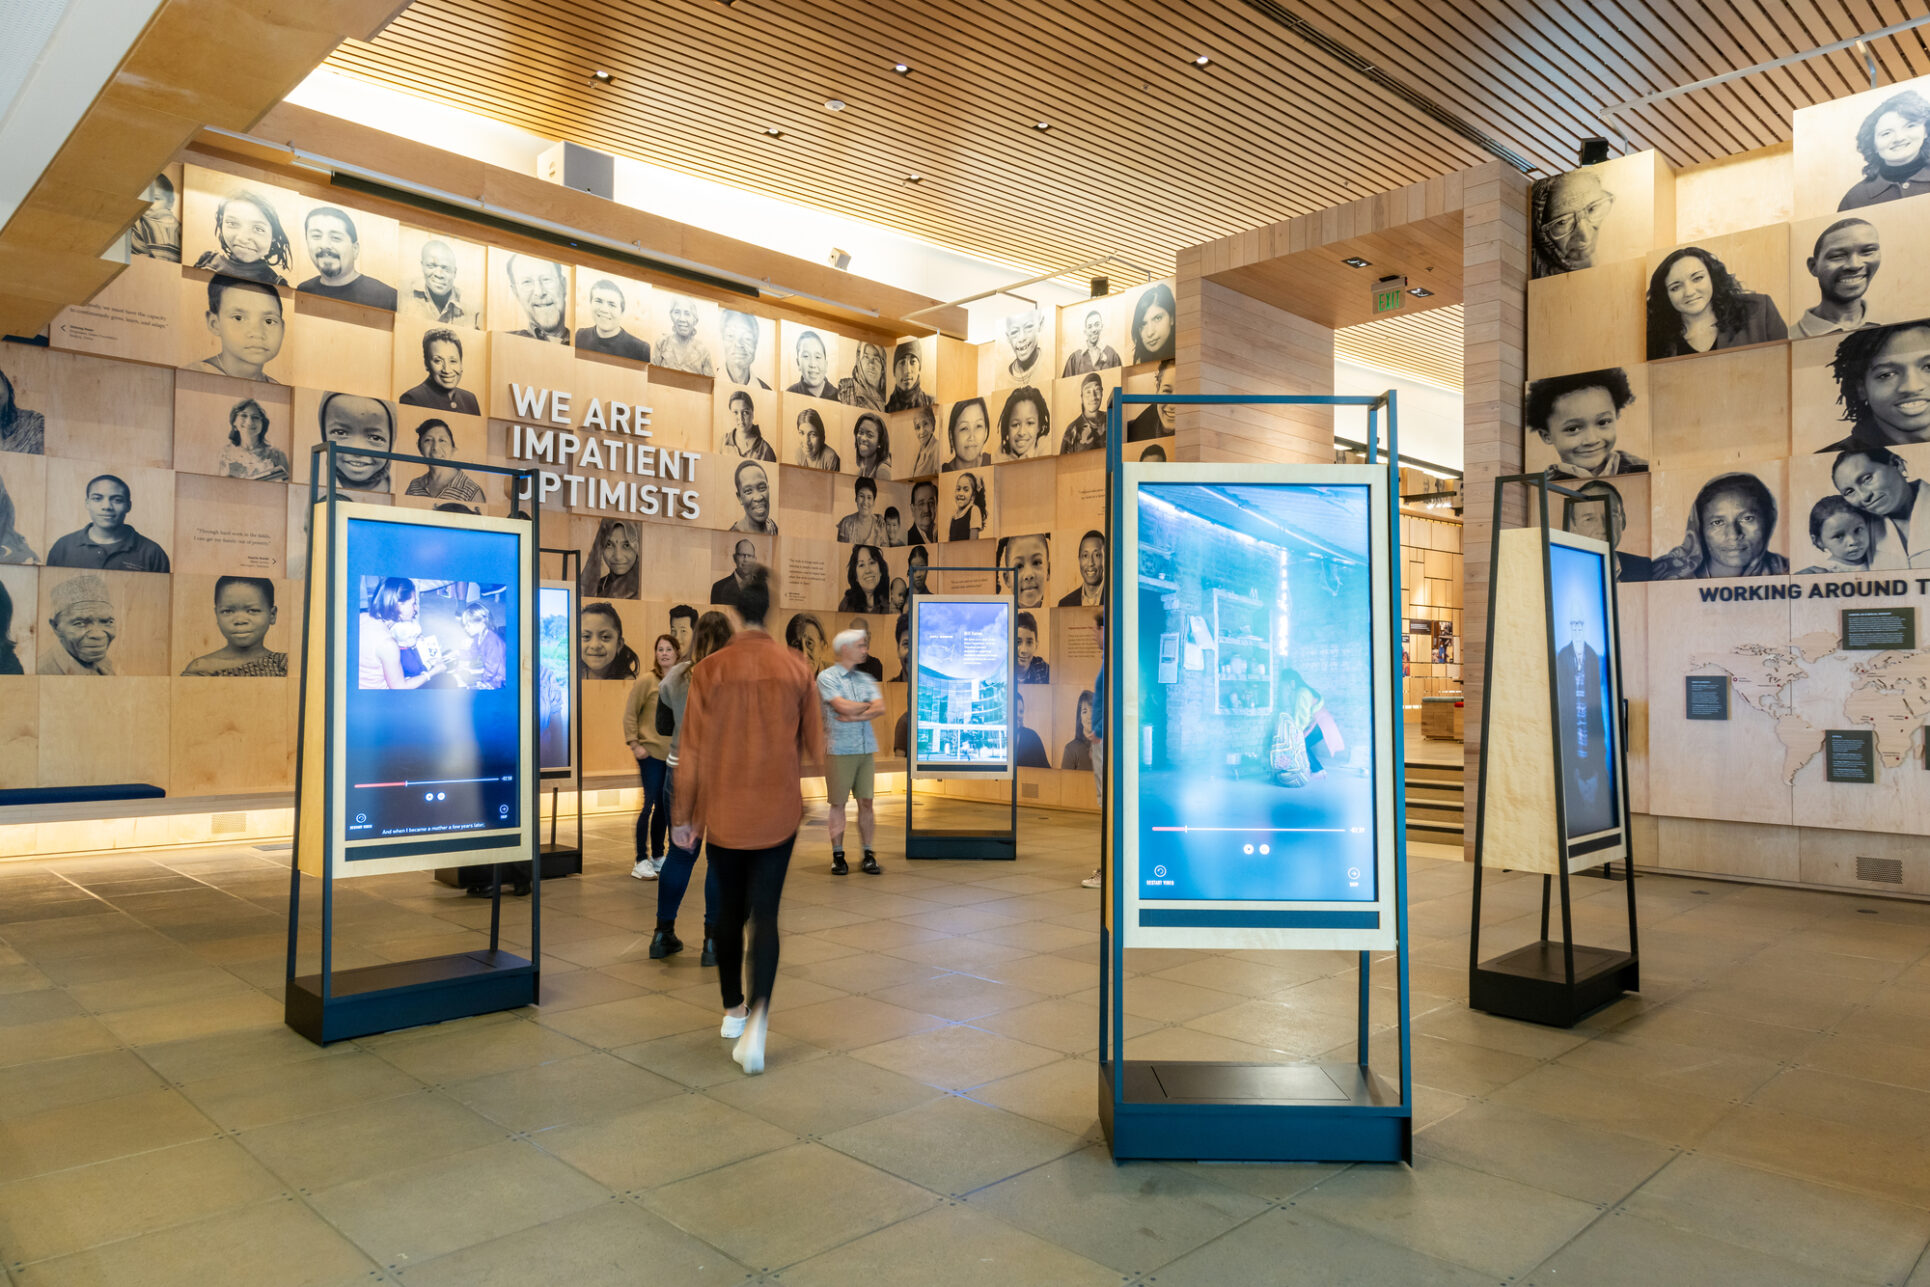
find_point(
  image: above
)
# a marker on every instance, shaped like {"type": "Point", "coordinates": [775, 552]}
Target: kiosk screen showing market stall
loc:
{"type": "Point", "coordinates": [961, 661]}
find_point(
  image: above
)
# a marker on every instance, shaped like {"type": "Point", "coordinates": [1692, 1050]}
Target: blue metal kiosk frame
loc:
{"type": "Point", "coordinates": [1223, 1117]}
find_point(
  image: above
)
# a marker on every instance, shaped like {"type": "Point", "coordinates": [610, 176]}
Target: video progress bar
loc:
{"type": "Point", "coordinates": [1276, 831]}
{"type": "Point", "coordinates": [433, 782]}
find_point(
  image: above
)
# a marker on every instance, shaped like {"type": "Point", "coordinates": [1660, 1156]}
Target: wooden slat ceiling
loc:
{"type": "Point", "coordinates": [1426, 346]}
{"type": "Point", "coordinates": [1306, 103]}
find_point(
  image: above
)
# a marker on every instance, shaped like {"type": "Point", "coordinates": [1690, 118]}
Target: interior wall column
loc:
{"type": "Point", "coordinates": [1494, 309]}
{"type": "Point", "coordinates": [1232, 343]}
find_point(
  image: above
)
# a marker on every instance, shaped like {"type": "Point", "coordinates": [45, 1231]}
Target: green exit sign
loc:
{"type": "Point", "coordinates": [1386, 301]}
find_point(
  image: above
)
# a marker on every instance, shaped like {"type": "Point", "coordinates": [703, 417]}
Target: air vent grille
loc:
{"type": "Point", "coordinates": [1881, 871]}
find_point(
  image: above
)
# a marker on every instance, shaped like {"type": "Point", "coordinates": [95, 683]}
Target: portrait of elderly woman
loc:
{"type": "Point", "coordinates": [1696, 305]}
{"type": "Point", "coordinates": [1730, 526]}
{"type": "Point", "coordinates": [1883, 385]}
{"type": "Point", "coordinates": [1566, 218]}
{"type": "Point", "coordinates": [1580, 417]}
{"type": "Point", "coordinates": [1896, 162]}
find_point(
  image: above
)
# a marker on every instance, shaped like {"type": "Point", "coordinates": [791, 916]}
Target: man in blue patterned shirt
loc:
{"type": "Point", "coordinates": [851, 701]}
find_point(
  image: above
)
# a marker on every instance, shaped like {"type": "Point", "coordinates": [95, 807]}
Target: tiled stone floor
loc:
{"type": "Point", "coordinates": [1759, 1115]}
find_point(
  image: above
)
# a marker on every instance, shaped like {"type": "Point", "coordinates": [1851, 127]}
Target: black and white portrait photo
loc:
{"type": "Point", "coordinates": [1579, 418]}
{"type": "Point", "coordinates": [1156, 419]}
{"type": "Point", "coordinates": [249, 240]}
{"type": "Point", "coordinates": [1025, 425]}
{"type": "Point", "coordinates": [867, 582]}
{"type": "Point", "coordinates": [1083, 424]}
{"type": "Point", "coordinates": [609, 307]}
{"type": "Point", "coordinates": [611, 565]}
{"type": "Point", "coordinates": [747, 359]}
{"type": "Point", "coordinates": [1894, 140]}
{"type": "Point", "coordinates": [18, 545]}
{"type": "Point", "coordinates": [244, 611]}
{"type": "Point", "coordinates": [19, 604]}
{"type": "Point", "coordinates": [442, 388]}
{"type": "Point", "coordinates": [728, 590]}
{"type": "Point", "coordinates": [1021, 355]}
{"type": "Point", "coordinates": [84, 625]}
{"type": "Point", "coordinates": [1029, 751]}
{"type": "Point", "coordinates": [917, 434]}
{"type": "Point", "coordinates": [752, 485]}
{"type": "Point", "coordinates": [447, 283]}
{"type": "Point", "coordinates": [540, 289]}
{"type": "Point", "coordinates": [683, 347]}
{"type": "Point", "coordinates": [743, 436]}
{"type": "Point", "coordinates": [804, 635]}
{"type": "Point", "coordinates": [1154, 453]}
{"type": "Point", "coordinates": [923, 526]}
{"type": "Point", "coordinates": [1895, 507]}
{"type": "Point", "coordinates": [864, 525]}
{"type": "Point", "coordinates": [22, 429]}
{"type": "Point", "coordinates": [1091, 590]}
{"type": "Point", "coordinates": [971, 511]}
{"type": "Point", "coordinates": [1882, 386]}
{"type": "Point", "coordinates": [1696, 305]}
{"type": "Point", "coordinates": [1604, 516]}
{"type": "Point", "coordinates": [814, 450]}
{"type": "Point", "coordinates": [1033, 668]}
{"type": "Point", "coordinates": [864, 387]}
{"type": "Point", "coordinates": [870, 442]}
{"type": "Point", "coordinates": [809, 360]}
{"type": "Point", "coordinates": [351, 420]}
{"type": "Point", "coordinates": [108, 543]}
{"type": "Point", "coordinates": [1843, 265]}
{"type": "Point", "coordinates": [1566, 214]}
{"type": "Point", "coordinates": [442, 481]}
{"type": "Point", "coordinates": [247, 453]}
{"type": "Point", "coordinates": [334, 246]}
{"type": "Point", "coordinates": [908, 364]}
{"type": "Point", "coordinates": [1155, 324]}
{"type": "Point", "coordinates": [246, 326]}
{"type": "Point", "coordinates": [1729, 531]}
{"type": "Point", "coordinates": [1027, 561]}
{"type": "Point", "coordinates": [1091, 352]}
{"type": "Point", "coordinates": [969, 431]}
{"type": "Point", "coordinates": [157, 233]}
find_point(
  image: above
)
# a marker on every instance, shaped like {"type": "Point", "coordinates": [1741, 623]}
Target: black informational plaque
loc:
{"type": "Point", "coordinates": [1707, 697]}
{"type": "Point", "coordinates": [1879, 629]}
{"type": "Point", "coordinates": [1849, 755]}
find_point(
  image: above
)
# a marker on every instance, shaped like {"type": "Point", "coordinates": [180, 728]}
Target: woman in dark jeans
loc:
{"type": "Point", "coordinates": [652, 750]}
{"type": "Point", "coordinates": [713, 632]}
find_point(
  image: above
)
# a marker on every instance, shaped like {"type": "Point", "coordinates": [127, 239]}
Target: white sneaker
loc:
{"type": "Point", "coordinates": [733, 1027]}
{"type": "Point", "coordinates": [644, 870]}
{"type": "Point", "coordinates": [656, 865]}
{"type": "Point", "coordinates": [749, 1051]}
{"type": "Point", "coordinates": [1091, 882]}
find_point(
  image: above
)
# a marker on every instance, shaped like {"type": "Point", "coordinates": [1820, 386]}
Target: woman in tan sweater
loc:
{"type": "Point", "coordinates": [652, 750]}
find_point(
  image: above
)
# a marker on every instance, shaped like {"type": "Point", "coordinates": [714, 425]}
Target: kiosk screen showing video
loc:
{"type": "Point", "coordinates": [555, 673]}
{"type": "Point", "coordinates": [1254, 735]}
{"type": "Point", "coordinates": [963, 652]}
{"type": "Point", "coordinates": [433, 656]}
{"type": "Point", "coordinates": [1591, 797]}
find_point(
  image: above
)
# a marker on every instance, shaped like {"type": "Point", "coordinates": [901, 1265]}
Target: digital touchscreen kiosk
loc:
{"type": "Point", "coordinates": [962, 700]}
{"type": "Point", "coordinates": [1256, 649]}
{"type": "Point", "coordinates": [429, 652]}
{"type": "Point", "coordinates": [1584, 691]}
{"type": "Point", "coordinates": [555, 678]}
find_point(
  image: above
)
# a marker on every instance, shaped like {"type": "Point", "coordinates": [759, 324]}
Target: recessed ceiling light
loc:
{"type": "Point", "coordinates": [903, 69]}
{"type": "Point", "coordinates": [1419, 292]}
{"type": "Point", "coordinates": [1355, 261]}
{"type": "Point", "coordinates": [834, 104]}
{"type": "Point", "coordinates": [1042, 125]}
{"type": "Point", "coordinates": [773, 132]}
{"type": "Point", "coordinates": [601, 75]}
{"type": "Point", "coordinates": [1201, 61]}
{"type": "Point", "coordinates": [914, 178]}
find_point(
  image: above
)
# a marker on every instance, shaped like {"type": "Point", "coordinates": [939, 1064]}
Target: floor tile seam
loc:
{"type": "Point", "coordinates": [1078, 1144]}
{"type": "Point", "coordinates": [361, 1100]}
{"type": "Point", "coordinates": [1810, 1177]}
{"type": "Point", "coordinates": [1291, 1203]}
{"type": "Point", "coordinates": [286, 1195]}
{"type": "Point", "coordinates": [1794, 1064]}
{"type": "Point", "coordinates": [1621, 1211]}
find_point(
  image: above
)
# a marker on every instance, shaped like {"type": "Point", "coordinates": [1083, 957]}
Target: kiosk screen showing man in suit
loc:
{"type": "Point", "coordinates": [1583, 701]}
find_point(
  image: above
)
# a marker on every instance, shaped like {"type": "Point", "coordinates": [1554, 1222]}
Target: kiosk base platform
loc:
{"type": "Point", "coordinates": [405, 994]}
{"type": "Point", "coordinates": [993, 846]}
{"type": "Point", "coordinates": [1217, 1112]}
{"type": "Point", "coordinates": [1531, 983]}
{"type": "Point", "coordinates": [558, 860]}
